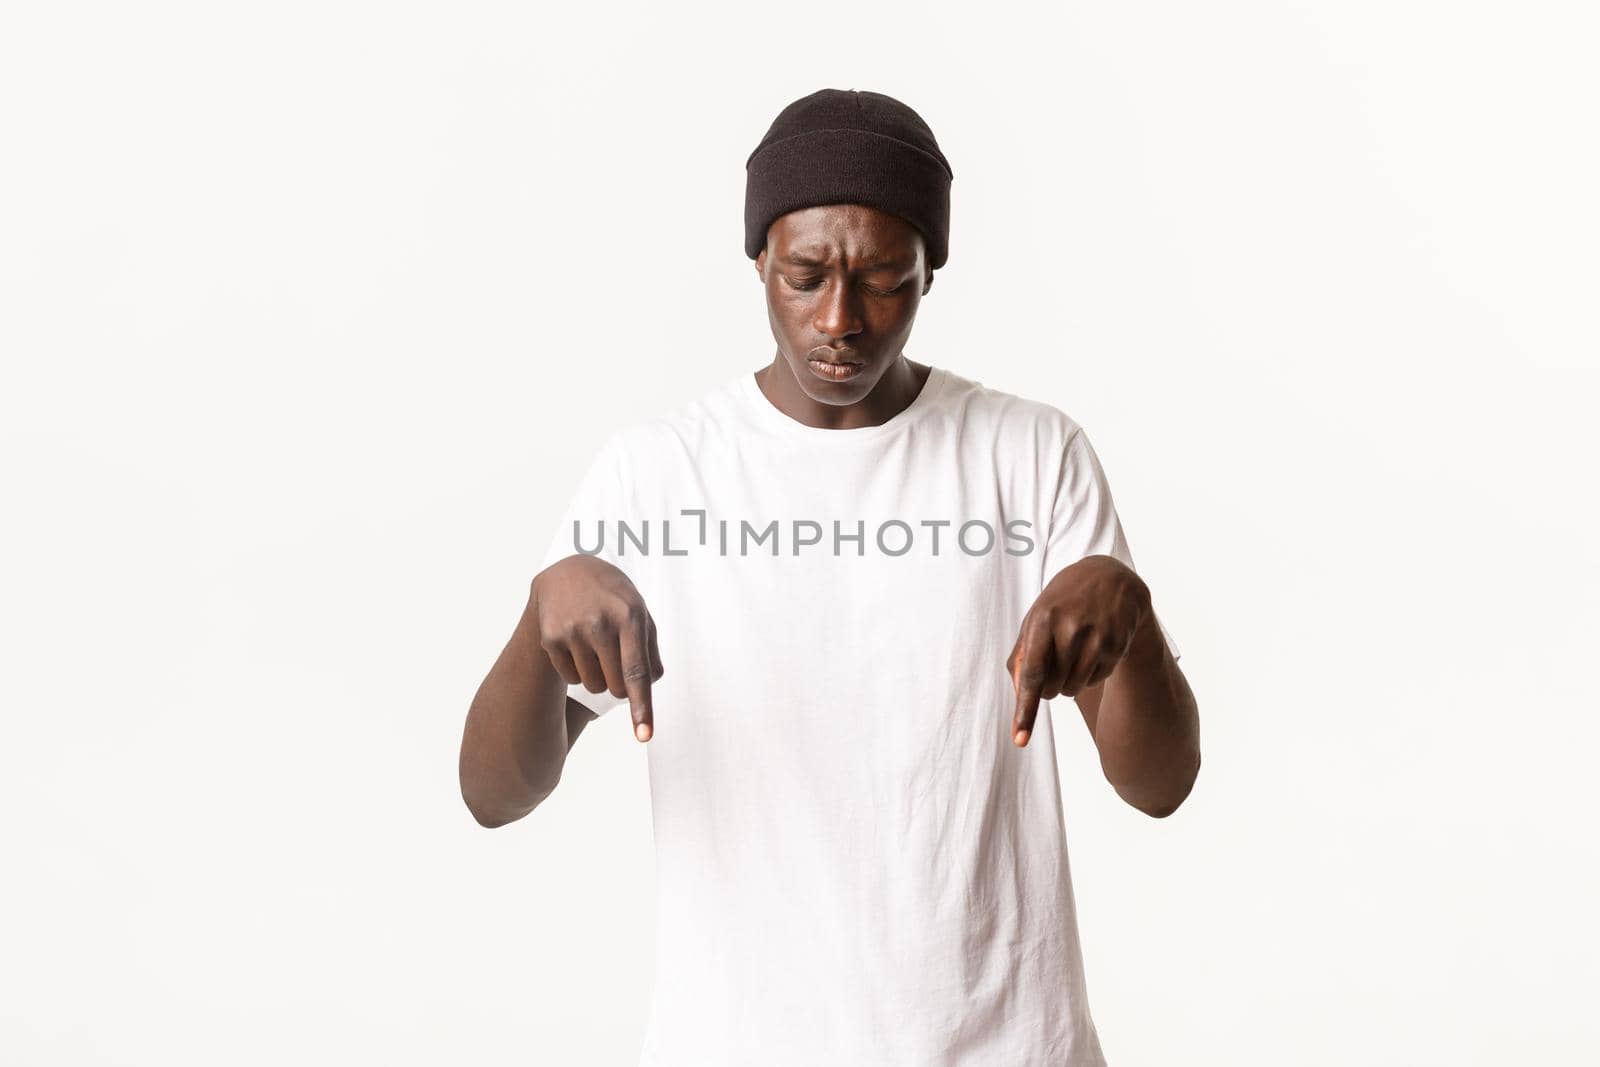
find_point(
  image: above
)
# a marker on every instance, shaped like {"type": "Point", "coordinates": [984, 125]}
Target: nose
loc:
{"type": "Point", "coordinates": [836, 314]}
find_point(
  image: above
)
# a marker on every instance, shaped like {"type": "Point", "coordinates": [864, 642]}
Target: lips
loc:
{"type": "Point", "coordinates": [833, 370]}
{"type": "Point", "coordinates": [835, 356]}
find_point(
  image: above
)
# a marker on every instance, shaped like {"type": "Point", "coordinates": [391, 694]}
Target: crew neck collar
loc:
{"type": "Point", "coordinates": [769, 416]}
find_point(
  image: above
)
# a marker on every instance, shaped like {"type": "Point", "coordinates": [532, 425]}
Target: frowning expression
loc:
{"type": "Point", "coordinates": [843, 283]}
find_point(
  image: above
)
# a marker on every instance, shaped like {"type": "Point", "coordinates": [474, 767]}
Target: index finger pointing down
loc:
{"type": "Point", "coordinates": [637, 672]}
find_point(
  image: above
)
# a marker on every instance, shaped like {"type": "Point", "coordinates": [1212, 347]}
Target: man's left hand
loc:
{"type": "Point", "coordinates": [1075, 634]}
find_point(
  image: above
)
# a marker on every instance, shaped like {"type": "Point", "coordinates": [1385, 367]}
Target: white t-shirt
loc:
{"type": "Point", "coordinates": [855, 864]}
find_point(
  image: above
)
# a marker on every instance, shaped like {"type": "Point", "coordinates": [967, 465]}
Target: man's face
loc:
{"type": "Point", "coordinates": [843, 285]}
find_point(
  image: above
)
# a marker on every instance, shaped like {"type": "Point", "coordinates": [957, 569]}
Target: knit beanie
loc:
{"type": "Point", "coordinates": [849, 146]}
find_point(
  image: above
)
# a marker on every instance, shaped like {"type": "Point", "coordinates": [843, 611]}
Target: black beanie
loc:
{"type": "Point", "coordinates": [849, 146]}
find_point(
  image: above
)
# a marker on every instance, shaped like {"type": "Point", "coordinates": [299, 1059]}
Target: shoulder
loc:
{"type": "Point", "coordinates": [1008, 415]}
{"type": "Point", "coordinates": [687, 427]}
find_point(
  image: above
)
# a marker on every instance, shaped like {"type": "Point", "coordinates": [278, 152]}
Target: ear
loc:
{"type": "Point", "coordinates": [927, 284]}
{"type": "Point", "coordinates": [761, 264]}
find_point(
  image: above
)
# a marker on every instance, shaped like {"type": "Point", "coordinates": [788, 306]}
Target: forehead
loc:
{"type": "Point", "coordinates": [855, 230]}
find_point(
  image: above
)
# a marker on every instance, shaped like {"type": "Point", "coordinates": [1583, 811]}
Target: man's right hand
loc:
{"type": "Point", "coordinates": [597, 632]}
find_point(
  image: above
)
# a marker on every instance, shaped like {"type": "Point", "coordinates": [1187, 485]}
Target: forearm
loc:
{"type": "Point", "coordinates": [515, 741]}
{"type": "Point", "coordinates": [1148, 726]}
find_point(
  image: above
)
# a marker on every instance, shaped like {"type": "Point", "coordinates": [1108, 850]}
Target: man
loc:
{"type": "Point", "coordinates": [843, 584]}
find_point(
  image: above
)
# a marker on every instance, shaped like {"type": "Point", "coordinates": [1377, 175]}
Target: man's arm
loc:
{"type": "Point", "coordinates": [519, 729]}
{"type": "Point", "coordinates": [1146, 724]}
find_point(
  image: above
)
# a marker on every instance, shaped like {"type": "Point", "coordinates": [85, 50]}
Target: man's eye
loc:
{"type": "Point", "coordinates": [812, 283]}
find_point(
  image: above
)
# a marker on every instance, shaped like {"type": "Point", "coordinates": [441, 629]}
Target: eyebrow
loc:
{"type": "Point", "coordinates": [881, 263]}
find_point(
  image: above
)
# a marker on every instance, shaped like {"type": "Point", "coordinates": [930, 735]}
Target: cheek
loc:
{"type": "Point", "coordinates": [791, 311]}
{"type": "Point", "coordinates": [905, 310]}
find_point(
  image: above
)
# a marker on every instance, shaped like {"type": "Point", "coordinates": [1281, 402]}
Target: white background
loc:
{"type": "Point", "coordinates": [312, 313]}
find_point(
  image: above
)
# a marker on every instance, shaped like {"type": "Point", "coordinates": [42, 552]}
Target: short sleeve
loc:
{"type": "Point", "coordinates": [1083, 517]}
{"type": "Point", "coordinates": [600, 498]}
